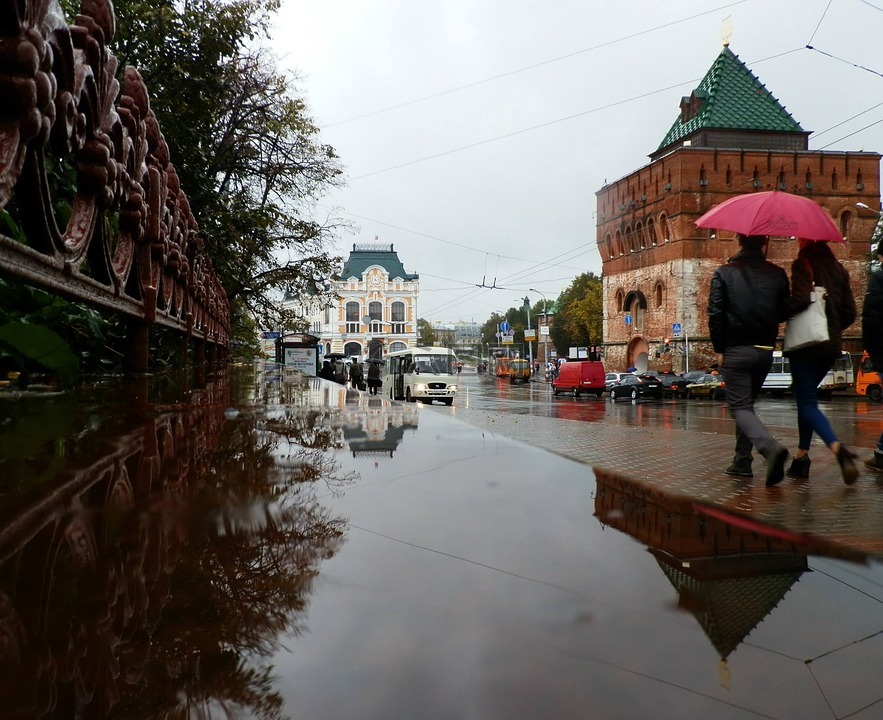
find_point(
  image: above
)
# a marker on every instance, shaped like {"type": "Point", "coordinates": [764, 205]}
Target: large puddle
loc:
{"type": "Point", "coordinates": [269, 546]}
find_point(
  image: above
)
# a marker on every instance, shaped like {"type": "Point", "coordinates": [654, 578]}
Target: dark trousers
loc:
{"type": "Point", "coordinates": [807, 372]}
{"type": "Point", "coordinates": [745, 368]}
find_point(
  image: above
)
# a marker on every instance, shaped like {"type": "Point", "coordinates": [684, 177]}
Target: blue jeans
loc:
{"type": "Point", "coordinates": [745, 368]}
{"type": "Point", "coordinates": [806, 374]}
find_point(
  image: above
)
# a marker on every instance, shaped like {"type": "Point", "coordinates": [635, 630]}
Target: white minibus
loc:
{"type": "Point", "coordinates": [421, 373]}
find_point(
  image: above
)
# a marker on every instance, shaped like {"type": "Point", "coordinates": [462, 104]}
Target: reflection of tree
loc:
{"type": "Point", "coordinates": [155, 575]}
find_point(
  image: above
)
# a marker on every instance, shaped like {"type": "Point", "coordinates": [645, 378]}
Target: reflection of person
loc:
{"type": "Point", "coordinates": [816, 265]}
{"type": "Point", "coordinates": [339, 371]}
{"type": "Point", "coordinates": [872, 335]}
{"type": "Point", "coordinates": [746, 303]}
{"type": "Point", "coordinates": [374, 380]}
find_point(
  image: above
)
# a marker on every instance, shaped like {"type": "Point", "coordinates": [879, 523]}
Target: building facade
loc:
{"type": "Point", "coordinates": [376, 309]}
{"type": "Point", "coordinates": [731, 137]}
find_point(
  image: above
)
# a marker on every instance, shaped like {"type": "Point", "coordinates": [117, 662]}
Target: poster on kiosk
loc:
{"type": "Point", "coordinates": [302, 359]}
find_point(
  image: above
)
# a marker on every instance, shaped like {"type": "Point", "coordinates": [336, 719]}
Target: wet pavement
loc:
{"type": "Point", "coordinates": [276, 547]}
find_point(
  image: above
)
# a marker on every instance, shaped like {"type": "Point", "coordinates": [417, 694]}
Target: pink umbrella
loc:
{"type": "Point", "coordinates": [775, 213]}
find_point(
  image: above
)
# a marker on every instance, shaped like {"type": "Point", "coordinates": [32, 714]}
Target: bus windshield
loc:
{"type": "Point", "coordinates": [437, 364]}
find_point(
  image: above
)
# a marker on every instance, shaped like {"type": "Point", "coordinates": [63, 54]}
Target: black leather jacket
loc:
{"type": "Point", "coordinates": [872, 319]}
{"type": "Point", "coordinates": [746, 302]}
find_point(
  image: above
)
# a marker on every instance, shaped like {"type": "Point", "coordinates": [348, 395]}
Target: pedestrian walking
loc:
{"type": "Point", "coordinates": [746, 303]}
{"type": "Point", "coordinates": [374, 381]}
{"type": "Point", "coordinates": [357, 375]}
{"type": "Point", "coordinates": [327, 372]}
{"type": "Point", "coordinates": [872, 334]}
{"type": "Point", "coordinates": [816, 265]}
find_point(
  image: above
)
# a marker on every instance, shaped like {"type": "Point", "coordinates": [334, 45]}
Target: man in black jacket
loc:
{"type": "Point", "coordinates": [746, 303]}
{"type": "Point", "coordinates": [872, 336]}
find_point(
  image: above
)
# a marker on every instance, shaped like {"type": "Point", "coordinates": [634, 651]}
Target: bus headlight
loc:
{"type": "Point", "coordinates": [452, 388]}
{"type": "Point", "coordinates": [419, 388]}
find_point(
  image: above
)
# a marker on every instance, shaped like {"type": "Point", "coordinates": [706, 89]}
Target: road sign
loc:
{"type": "Point", "coordinates": [511, 333]}
{"type": "Point", "coordinates": [270, 335]}
{"type": "Point", "coordinates": [676, 329]}
{"type": "Point", "coordinates": [504, 327]}
{"type": "Point", "coordinates": [628, 319]}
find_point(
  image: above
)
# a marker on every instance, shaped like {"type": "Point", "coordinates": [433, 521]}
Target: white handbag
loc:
{"type": "Point", "coordinates": [809, 326]}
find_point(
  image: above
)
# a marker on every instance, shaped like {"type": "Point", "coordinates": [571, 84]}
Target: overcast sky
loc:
{"type": "Point", "coordinates": [475, 133]}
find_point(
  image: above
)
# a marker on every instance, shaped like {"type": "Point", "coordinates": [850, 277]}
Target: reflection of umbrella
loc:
{"type": "Point", "coordinates": [375, 361]}
{"type": "Point", "coordinates": [775, 213]}
{"type": "Point", "coordinates": [334, 356]}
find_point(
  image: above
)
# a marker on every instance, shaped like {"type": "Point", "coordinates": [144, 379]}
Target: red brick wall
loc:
{"type": "Point", "coordinates": [649, 243]}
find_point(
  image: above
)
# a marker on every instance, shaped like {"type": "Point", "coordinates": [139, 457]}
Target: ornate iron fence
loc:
{"type": "Point", "coordinates": [130, 244]}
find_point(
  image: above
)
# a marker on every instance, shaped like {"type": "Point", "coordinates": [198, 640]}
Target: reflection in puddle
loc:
{"type": "Point", "coordinates": [153, 551]}
{"type": "Point", "coordinates": [729, 571]}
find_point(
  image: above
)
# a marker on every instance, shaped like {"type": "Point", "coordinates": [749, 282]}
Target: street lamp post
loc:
{"type": "Point", "coordinates": [546, 325]}
{"type": "Point", "coordinates": [529, 344]}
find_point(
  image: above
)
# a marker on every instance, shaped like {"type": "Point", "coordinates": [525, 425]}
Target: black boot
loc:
{"type": "Point", "coordinates": [847, 466]}
{"type": "Point", "coordinates": [740, 468]}
{"type": "Point", "coordinates": [799, 468]}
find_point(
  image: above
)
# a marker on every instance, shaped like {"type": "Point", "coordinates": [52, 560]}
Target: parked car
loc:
{"type": "Point", "coordinates": [672, 385]}
{"type": "Point", "coordinates": [580, 376]}
{"type": "Point", "coordinates": [611, 378]}
{"type": "Point", "coordinates": [711, 386]}
{"type": "Point", "coordinates": [635, 386]}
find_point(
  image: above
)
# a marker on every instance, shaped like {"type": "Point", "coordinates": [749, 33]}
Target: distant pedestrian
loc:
{"type": "Point", "coordinates": [327, 372]}
{"type": "Point", "coordinates": [357, 375]}
{"type": "Point", "coordinates": [374, 381]}
{"type": "Point", "coordinates": [816, 265]}
{"type": "Point", "coordinates": [872, 335]}
{"type": "Point", "coordinates": [339, 371]}
{"type": "Point", "coordinates": [746, 303]}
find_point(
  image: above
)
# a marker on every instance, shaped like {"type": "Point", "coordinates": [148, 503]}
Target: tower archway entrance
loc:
{"type": "Point", "coordinates": [638, 354]}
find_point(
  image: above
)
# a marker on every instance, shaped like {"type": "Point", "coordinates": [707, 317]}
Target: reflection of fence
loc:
{"type": "Point", "coordinates": [58, 119]}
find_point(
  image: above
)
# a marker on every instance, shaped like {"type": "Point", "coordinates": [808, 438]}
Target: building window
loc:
{"type": "Point", "coordinates": [834, 180]}
{"type": "Point", "coordinates": [651, 231]}
{"type": "Point", "coordinates": [659, 295]}
{"type": "Point", "coordinates": [638, 315]}
{"type": "Point", "coordinates": [397, 310]}
{"type": "Point", "coordinates": [619, 301]}
{"type": "Point", "coordinates": [844, 223]}
{"type": "Point", "coordinates": [375, 312]}
{"type": "Point", "coordinates": [353, 322]}
{"type": "Point", "coordinates": [396, 346]}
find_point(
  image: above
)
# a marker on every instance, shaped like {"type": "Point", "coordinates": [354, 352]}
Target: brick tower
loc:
{"type": "Point", "coordinates": [731, 137]}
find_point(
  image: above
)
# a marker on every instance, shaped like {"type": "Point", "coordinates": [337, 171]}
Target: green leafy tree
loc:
{"type": "Point", "coordinates": [579, 314]}
{"type": "Point", "coordinates": [425, 333]}
{"type": "Point", "coordinates": [243, 144]}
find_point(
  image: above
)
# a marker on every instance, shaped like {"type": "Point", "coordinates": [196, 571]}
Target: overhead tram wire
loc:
{"type": "Point", "coordinates": [443, 240]}
{"type": "Point", "coordinates": [534, 66]}
{"type": "Point", "coordinates": [549, 123]}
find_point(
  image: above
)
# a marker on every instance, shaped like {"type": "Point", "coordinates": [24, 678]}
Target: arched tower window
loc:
{"type": "Point", "coordinates": [658, 293]}
{"type": "Point", "coordinates": [845, 220]}
{"type": "Point", "coordinates": [651, 232]}
{"type": "Point", "coordinates": [620, 303]}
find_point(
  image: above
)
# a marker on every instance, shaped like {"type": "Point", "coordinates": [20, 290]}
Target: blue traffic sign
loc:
{"type": "Point", "coordinates": [676, 329]}
{"type": "Point", "coordinates": [504, 327]}
{"type": "Point", "coordinates": [628, 319]}
{"type": "Point", "coordinates": [271, 335]}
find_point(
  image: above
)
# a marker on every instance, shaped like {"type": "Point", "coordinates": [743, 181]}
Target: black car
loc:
{"type": "Point", "coordinates": [635, 386]}
{"type": "Point", "coordinates": [673, 385]}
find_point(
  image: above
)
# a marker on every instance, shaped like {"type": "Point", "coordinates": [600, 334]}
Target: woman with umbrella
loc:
{"type": "Point", "coordinates": [816, 265]}
{"type": "Point", "coordinates": [783, 214]}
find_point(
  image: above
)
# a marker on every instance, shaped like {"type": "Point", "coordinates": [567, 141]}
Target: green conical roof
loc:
{"type": "Point", "coordinates": [730, 97]}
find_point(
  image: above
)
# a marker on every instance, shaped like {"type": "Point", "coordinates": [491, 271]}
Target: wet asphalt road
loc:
{"type": "Point", "coordinates": [855, 419]}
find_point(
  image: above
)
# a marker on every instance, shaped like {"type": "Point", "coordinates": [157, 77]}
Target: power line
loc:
{"type": "Point", "coordinates": [551, 122]}
{"type": "Point", "coordinates": [534, 66]}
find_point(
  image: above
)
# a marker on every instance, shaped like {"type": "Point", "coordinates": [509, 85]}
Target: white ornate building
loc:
{"type": "Point", "coordinates": [377, 308]}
